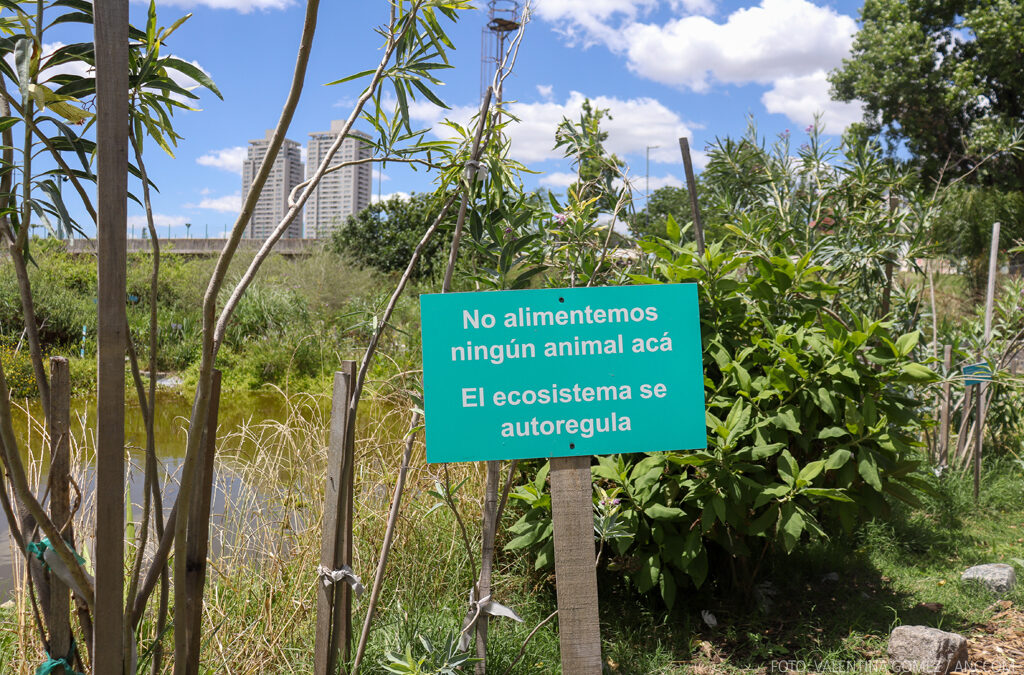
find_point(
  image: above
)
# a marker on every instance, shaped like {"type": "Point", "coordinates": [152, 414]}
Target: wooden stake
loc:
{"type": "Point", "coordinates": [947, 363]}
{"type": "Point", "coordinates": [333, 604]}
{"type": "Point", "coordinates": [990, 296]}
{"type": "Point", "coordinates": [59, 420]}
{"type": "Point", "coordinates": [965, 419]}
{"type": "Point", "coordinates": [111, 38]}
{"type": "Point", "coordinates": [979, 430]}
{"type": "Point", "coordinates": [572, 512]}
{"type": "Point", "coordinates": [691, 186]}
{"type": "Point", "coordinates": [198, 533]}
{"type": "Point", "coordinates": [343, 609]}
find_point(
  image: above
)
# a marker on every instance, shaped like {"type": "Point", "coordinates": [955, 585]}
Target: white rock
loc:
{"type": "Point", "coordinates": [996, 577]}
{"type": "Point", "coordinates": [929, 651]}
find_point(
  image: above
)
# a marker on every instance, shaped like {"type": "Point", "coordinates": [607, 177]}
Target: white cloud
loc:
{"type": "Point", "coordinates": [706, 7]}
{"type": "Point", "coordinates": [658, 182]}
{"type": "Point", "coordinates": [800, 98]}
{"type": "Point", "coordinates": [160, 220]}
{"type": "Point", "coordinates": [243, 6]}
{"type": "Point", "coordinates": [225, 204]}
{"type": "Point", "coordinates": [558, 179]}
{"type": "Point", "coordinates": [378, 176]}
{"type": "Point", "coordinates": [778, 38]}
{"type": "Point", "coordinates": [635, 124]}
{"type": "Point", "coordinates": [404, 196]}
{"type": "Point", "coordinates": [228, 159]}
{"type": "Point", "coordinates": [545, 91]}
{"type": "Point", "coordinates": [590, 21]}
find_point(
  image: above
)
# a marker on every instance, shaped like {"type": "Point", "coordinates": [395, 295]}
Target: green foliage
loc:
{"type": "Point", "coordinates": [583, 143]}
{"type": "Point", "coordinates": [812, 424]}
{"type": "Point", "coordinates": [963, 227]}
{"type": "Point", "coordinates": [383, 236]}
{"type": "Point", "coordinates": [939, 77]}
{"type": "Point", "coordinates": [663, 203]}
{"type": "Point", "coordinates": [1004, 421]}
{"type": "Point", "coordinates": [858, 213]}
{"type": "Point", "coordinates": [445, 659]}
{"type": "Point", "coordinates": [17, 369]}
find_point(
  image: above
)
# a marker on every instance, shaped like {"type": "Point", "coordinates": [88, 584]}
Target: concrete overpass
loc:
{"type": "Point", "coordinates": [202, 247]}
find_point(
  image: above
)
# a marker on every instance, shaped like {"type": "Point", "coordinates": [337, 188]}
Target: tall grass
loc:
{"type": "Point", "coordinates": [260, 602]}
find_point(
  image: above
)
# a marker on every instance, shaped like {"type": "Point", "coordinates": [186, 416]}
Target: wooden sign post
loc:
{"type": "Point", "coordinates": [564, 374]}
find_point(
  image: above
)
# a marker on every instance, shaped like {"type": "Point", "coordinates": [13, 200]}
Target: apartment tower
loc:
{"type": "Point", "coordinates": [343, 192]}
{"type": "Point", "coordinates": [273, 202]}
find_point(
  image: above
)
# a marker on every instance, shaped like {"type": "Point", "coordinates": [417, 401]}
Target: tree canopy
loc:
{"type": "Point", "coordinates": [944, 78]}
{"type": "Point", "coordinates": [384, 235]}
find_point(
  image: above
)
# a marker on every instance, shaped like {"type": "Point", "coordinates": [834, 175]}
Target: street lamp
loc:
{"type": "Point", "coordinates": [647, 187]}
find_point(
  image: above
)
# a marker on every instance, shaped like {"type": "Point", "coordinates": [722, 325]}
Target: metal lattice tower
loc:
{"type": "Point", "coordinates": [503, 18]}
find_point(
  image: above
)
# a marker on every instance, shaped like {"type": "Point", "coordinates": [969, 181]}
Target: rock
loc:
{"type": "Point", "coordinates": [929, 651]}
{"type": "Point", "coordinates": [996, 577]}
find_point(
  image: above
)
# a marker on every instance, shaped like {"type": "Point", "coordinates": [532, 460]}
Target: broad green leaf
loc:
{"type": "Point", "coordinates": [786, 419]}
{"type": "Point", "coordinates": [661, 512]}
{"type": "Point", "coordinates": [837, 459]}
{"type": "Point", "coordinates": [917, 373]}
{"type": "Point", "coordinates": [868, 469]}
{"type": "Point", "coordinates": [906, 343]}
{"type": "Point", "coordinates": [832, 432]}
{"type": "Point", "coordinates": [828, 493]}
{"type": "Point", "coordinates": [810, 471]}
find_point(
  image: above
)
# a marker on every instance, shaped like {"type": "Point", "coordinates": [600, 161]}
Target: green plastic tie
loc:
{"type": "Point", "coordinates": [59, 666]}
{"type": "Point", "coordinates": [38, 549]}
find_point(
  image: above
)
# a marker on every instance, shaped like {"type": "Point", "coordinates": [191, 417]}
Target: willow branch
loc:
{"type": "Point", "coordinates": [200, 406]}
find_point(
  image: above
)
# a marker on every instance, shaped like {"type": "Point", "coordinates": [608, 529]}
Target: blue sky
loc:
{"type": "Point", "coordinates": [664, 68]}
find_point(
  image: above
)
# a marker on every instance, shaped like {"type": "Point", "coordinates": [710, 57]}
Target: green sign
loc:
{"type": "Point", "coordinates": [562, 372]}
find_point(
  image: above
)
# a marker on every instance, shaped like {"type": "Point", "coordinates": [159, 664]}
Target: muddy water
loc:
{"type": "Point", "coordinates": [235, 450]}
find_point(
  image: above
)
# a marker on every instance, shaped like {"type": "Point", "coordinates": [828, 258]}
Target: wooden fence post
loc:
{"type": "Point", "coordinates": [197, 540]}
{"type": "Point", "coordinates": [334, 601]}
{"type": "Point", "coordinates": [111, 40]}
{"type": "Point", "coordinates": [572, 512]}
{"type": "Point", "coordinates": [947, 363]}
{"type": "Point", "coordinates": [691, 186]}
{"type": "Point", "coordinates": [59, 420]}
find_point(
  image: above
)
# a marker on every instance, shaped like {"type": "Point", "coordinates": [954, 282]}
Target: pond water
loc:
{"type": "Point", "coordinates": [243, 425]}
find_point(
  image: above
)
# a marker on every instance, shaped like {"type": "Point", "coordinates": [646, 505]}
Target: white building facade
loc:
{"type": "Point", "coordinates": [343, 192]}
{"type": "Point", "coordinates": [287, 172]}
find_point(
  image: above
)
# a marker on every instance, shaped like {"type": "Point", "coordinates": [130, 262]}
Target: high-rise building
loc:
{"type": "Point", "coordinates": [343, 192]}
{"type": "Point", "coordinates": [272, 206]}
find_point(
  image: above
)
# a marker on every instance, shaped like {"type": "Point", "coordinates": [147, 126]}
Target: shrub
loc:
{"type": "Point", "coordinates": [811, 420]}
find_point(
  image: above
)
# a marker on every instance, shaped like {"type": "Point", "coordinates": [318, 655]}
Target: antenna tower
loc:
{"type": "Point", "coordinates": [503, 18]}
